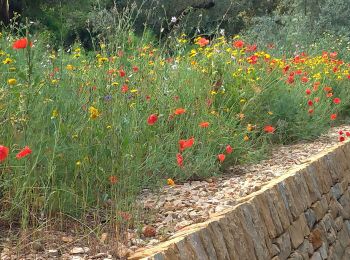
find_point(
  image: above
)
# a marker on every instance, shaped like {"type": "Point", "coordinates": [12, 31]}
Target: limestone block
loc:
{"type": "Point", "coordinates": [316, 256]}
{"type": "Point", "coordinates": [339, 223]}
{"type": "Point", "coordinates": [252, 224]}
{"type": "Point", "coordinates": [333, 169]}
{"type": "Point", "coordinates": [320, 208]}
{"type": "Point", "coordinates": [217, 237]}
{"type": "Point", "coordinates": [298, 230]}
{"type": "Point", "coordinates": [345, 184]}
{"type": "Point", "coordinates": [343, 237]}
{"type": "Point", "coordinates": [312, 183]}
{"type": "Point", "coordinates": [237, 244]}
{"type": "Point", "coordinates": [295, 256]}
{"type": "Point", "coordinates": [310, 218]}
{"type": "Point", "coordinates": [291, 205]}
{"type": "Point", "coordinates": [335, 208]}
{"type": "Point", "coordinates": [306, 249]}
{"type": "Point", "coordinates": [345, 203]}
{"type": "Point", "coordinates": [269, 214]}
{"type": "Point", "coordinates": [208, 243]}
{"type": "Point", "coordinates": [316, 238]}
{"type": "Point", "coordinates": [283, 214]}
{"type": "Point", "coordinates": [284, 244]}
{"type": "Point", "coordinates": [337, 190]}
{"type": "Point", "coordinates": [323, 175]}
{"type": "Point", "coordinates": [195, 243]}
{"type": "Point", "coordinates": [302, 188]}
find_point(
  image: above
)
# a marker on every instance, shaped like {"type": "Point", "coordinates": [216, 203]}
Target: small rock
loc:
{"type": "Point", "coordinates": [149, 231]}
{"type": "Point", "coordinates": [37, 246]}
{"type": "Point", "coordinates": [79, 250]}
{"type": "Point", "coordinates": [99, 255]}
{"type": "Point", "coordinates": [53, 253]}
{"type": "Point", "coordinates": [68, 239]}
{"type": "Point", "coordinates": [76, 257]}
{"type": "Point", "coordinates": [103, 238]}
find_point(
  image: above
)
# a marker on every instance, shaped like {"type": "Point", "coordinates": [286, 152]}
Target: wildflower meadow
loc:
{"type": "Point", "coordinates": [83, 132]}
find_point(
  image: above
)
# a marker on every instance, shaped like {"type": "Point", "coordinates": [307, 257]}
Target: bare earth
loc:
{"type": "Point", "coordinates": [172, 208]}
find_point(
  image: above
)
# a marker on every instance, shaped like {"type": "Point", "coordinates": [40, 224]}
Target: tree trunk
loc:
{"type": "Point", "coordinates": [4, 11]}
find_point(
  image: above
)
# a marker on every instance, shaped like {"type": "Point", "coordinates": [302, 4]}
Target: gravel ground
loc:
{"type": "Point", "coordinates": [175, 207]}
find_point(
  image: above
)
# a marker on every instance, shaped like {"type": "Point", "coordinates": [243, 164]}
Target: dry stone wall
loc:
{"type": "Point", "coordinates": [304, 214]}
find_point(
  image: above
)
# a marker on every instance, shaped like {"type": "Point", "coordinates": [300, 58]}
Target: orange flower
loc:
{"type": "Point", "coordinates": [179, 111]}
{"type": "Point", "coordinates": [269, 129]}
{"type": "Point", "coordinates": [113, 179]}
{"type": "Point", "coordinates": [204, 124]}
{"type": "Point", "coordinates": [186, 143]}
{"type": "Point", "coordinates": [170, 182]}
{"type": "Point", "coordinates": [238, 44]}
{"type": "Point", "coordinates": [203, 42]}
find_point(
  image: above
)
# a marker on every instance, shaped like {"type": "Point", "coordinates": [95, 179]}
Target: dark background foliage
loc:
{"type": "Point", "coordinates": [279, 20]}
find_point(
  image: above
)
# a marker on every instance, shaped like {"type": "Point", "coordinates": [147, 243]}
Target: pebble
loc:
{"type": "Point", "coordinates": [79, 250]}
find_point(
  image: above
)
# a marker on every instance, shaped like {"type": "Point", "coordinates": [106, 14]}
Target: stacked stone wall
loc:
{"type": "Point", "coordinates": [304, 214]}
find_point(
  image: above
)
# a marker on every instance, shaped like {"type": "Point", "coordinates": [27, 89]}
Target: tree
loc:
{"type": "Point", "coordinates": [4, 11]}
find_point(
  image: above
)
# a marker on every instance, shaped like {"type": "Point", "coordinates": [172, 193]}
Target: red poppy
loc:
{"type": "Point", "coordinates": [340, 132]}
{"type": "Point", "coordinates": [310, 103]}
{"type": "Point", "coordinates": [269, 129]}
{"type": "Point", "coordinates": [308, 91]}
{"type": "Point", "coordinates": [286, 68]}
{"type": "Point", "coordinates": [152, 119]}
{"type": "Point", "coordinates": [238, 44]}
{"type": "Point", "coordinates": [347, 134]}
{"type": "Point", "coordinates": [204, 124]}
{"type": "Point", "coordinates": [135, 69]}
{"type": "Point", "coordinates": [21, 44]}
{"type": "Point", "coordinates": [24, 152]}
{"type": "Point", "coordinates": [203, 42]}
{"type": "Point", "coordinates": [4, 152]}
{"type": "Point", "coordinates": [251, 48]}
{"type": "Point", "coordinates": [333, 116]}
{"type": "Point", "coordinates": [252, 59]}
{"type": "Point", "coordinates": [179, 111]}
{"type": "Point", "coordinates": [125, 88]}
{"type": "Point", "coordinates": [186, 143]}
{"type": "Point", "coordinates": [122, 73]}
{"type": "Point", "coordinates": [304, 79]}
{"type": "Point", "coordinates": [148, 98]}
{"type": "Point", "coordinates": [179, 159]}
{"type": "Point", "coordinates": [310, 111]}
{"type": "Point", "coordinates": [113, 179]}
{"type": "Point", "coordinates": [316, 85]}
{"type": "Point", "coordinates": [229, 149]}
{"type": "Point", "coordinates": [341, 138]}
{"type": "Point", "coordinates": [290, 80]}
{"type": "Point", "coordinates": [336, 100]}
{"type": "Point", "coordinates": [221, 157]}
{"type": "Point", "coordinates": [327, 89]}
{"type": "Point", "coordinates": [333, 54]}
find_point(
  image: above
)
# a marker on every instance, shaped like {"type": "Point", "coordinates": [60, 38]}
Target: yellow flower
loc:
{"type": "Point", "coordinates": [270, 113]}
{"type": "Point", "coordinates": [54, 81]}
{"type": "Point", "coordinates": [133, 91]}
{"type": "Point", "coordinates": [242, 100]}
{"type": "Point", "coordinates": [249, 128]}
{"type": "Point", "coordinates": [114, 84]}
{"type": "Point", "coordinates": [170, 182]}
{"type": "Point", "coordinates": [54, 114]}
{"type": "Point", "coordinates": [246, 138]}
{"type": "Point", "coordinates": [70, 67]}
{"type": "Point", "coordinates": [78, 163]}
{"type": "Point", "coordinates": [7, 61]}
{"type": "Point", "coordinates": [11, 82]}
{"type": "Point", "coordinates": [94, 113]}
